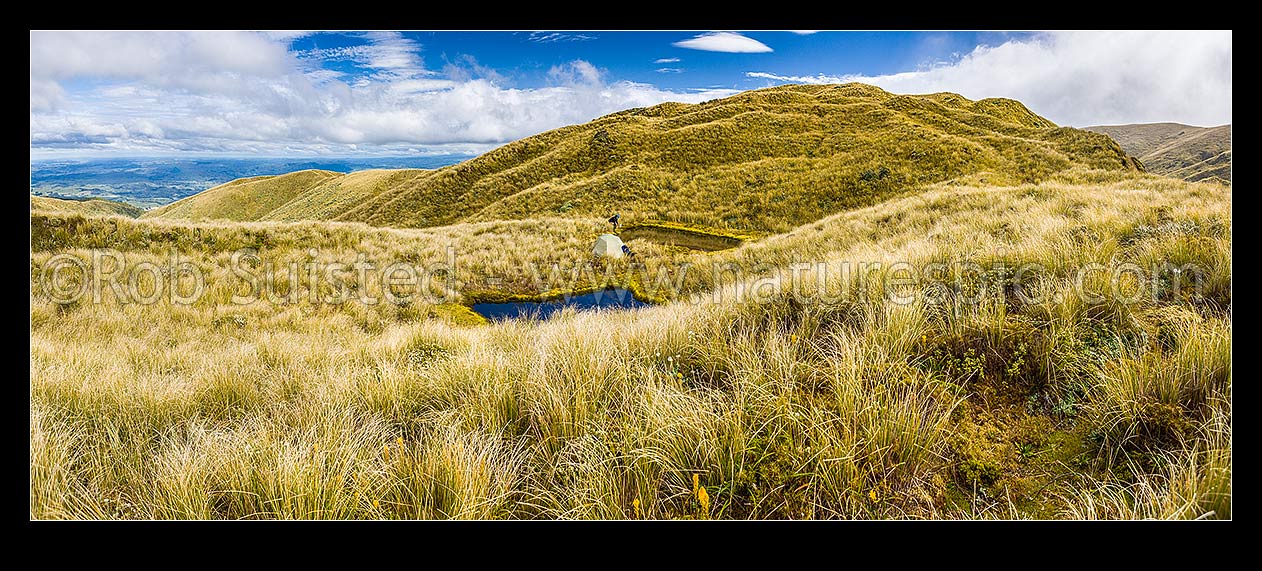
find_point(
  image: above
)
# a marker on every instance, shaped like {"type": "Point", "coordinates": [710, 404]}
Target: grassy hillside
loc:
{"type": "Point", "coordinates": [92, 207]}
{"type": "Point", "coordinates": [764, 160]}
{"type": "Point", "coordinates": [997, 405]}
{"type": "Point", "coordinates": [244, 198]}
{"type": "Point", "coordinates": [1181, 151]}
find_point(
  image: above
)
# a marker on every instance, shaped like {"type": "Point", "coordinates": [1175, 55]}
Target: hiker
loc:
{"type": "Point", "coordinates": [614, 221]}
{"type": "Point", "coordinates": [627, 252]}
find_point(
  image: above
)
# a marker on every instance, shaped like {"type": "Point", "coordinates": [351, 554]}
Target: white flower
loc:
{"type": "Point", "coordinates": [669, 359]}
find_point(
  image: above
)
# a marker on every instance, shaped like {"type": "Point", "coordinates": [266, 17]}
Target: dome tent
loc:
{"type": "Point", "coordinates": [608, 245]}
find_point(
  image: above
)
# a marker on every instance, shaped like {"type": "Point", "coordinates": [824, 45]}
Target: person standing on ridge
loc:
{"type": "Point", "coordinates": [614, 220]}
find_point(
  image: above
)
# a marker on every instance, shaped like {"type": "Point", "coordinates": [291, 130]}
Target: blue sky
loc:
{"type": "Point", "coordinates": [396, 93]}
{"type": "Point", "coordinates": [523, 59]}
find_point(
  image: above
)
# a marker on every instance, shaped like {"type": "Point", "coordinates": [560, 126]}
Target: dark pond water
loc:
{"type": "Point", "coordinates": [607, 299]}
{"type": "Point", "coordinates": [678, 237]}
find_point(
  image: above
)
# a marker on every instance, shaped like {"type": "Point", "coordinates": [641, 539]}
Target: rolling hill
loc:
{"type": "Point", "coordinates": [93, 207]}
{"type": "Point", "coordinates": [1181, 151]}
{"type": "Point", "coordinates": [763, 160]}
{"type": "Point", "coordinates": [245, 198]}
{"type": "Point", "coordinates": [148, 182]}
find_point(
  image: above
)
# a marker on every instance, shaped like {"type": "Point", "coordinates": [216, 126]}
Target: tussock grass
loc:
{"type": "Point", "coordinates": [1195, 483]}
{"type": "Point", "coordinates": [1157, 396]}
{"type": "Point", "coordinates": [834, 408]}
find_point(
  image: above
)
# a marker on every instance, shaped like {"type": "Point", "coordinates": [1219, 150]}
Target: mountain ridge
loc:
{"type": "Point", "coordinates": [767, 159]}
{"type": "Point", "coordinates": [1174, 149]}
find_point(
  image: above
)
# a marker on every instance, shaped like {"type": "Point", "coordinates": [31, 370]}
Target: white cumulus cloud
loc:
{"type": "Point", "coordinates": [1085, 77]}
{"type": "Point", "coordinates": [46, 94]}
{"type": "Point", "coordinates": [729, 42]}
{"type": "Point", "coordinates": [155, 55]}
{"type": "Point", "coordinates": [165, 92]}
{"type": "Point", "coordinates": [287, 35]}
{"type": "Point", "coordinates": [820, 78]}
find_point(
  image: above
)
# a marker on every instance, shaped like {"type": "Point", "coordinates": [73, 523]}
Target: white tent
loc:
{"type": "Point", "coordinates": [608, 245]}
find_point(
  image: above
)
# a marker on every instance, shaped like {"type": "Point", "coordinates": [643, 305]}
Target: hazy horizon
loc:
{"type": "Point", "coordinates": [152, 181]}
